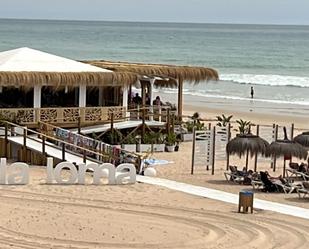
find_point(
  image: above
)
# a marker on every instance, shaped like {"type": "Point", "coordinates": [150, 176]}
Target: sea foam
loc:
{"type": "Point", "coordinates": [265, 79]}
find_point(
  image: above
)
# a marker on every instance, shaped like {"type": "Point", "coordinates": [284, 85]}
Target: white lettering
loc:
{"type": "Point", "coordinates": [123, 174]}
{"type": "Point", "coordinates": [72, 170]}
{"type": "Point", "coordinates": [126, 174]}
{"type": "Point", "coordinates": [19, 175]}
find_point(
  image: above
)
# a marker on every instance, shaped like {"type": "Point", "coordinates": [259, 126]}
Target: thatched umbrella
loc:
{"type": "Point", "coordinates": [245, 144]}
{"type": "Point", "coordinates": [302, 139]}
{"type": "Point", "coordinates": [287, 148]}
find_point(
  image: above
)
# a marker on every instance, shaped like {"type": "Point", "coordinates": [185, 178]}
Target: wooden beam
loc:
{"type": "Point", "coordinates": [180, 99]}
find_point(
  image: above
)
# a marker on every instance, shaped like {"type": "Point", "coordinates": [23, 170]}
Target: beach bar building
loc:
{"type": "Point", "coordinates": [37, 86]}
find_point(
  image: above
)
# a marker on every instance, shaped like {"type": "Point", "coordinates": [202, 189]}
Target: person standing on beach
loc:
{"type": "Point", "coordinates": [252, 92]}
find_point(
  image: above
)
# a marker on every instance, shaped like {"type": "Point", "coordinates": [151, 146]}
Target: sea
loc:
{"type": "Point", "coordinates": [273, 59]}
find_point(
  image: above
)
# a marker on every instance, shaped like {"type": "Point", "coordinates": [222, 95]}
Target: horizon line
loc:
{"type": "Point", "coordinates": [168, 22]}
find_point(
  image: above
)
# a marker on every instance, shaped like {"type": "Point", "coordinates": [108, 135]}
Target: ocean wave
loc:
{"type": "Point", "coordinates": [276, 101]}
{"type": "Point", "coordinates": [268, 80]}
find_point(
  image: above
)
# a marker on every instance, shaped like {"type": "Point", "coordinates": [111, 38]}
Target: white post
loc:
{"type": "Point", "coordinates": [125, 97]}
{"type": "Point", "coordinates": [100, 96]}
{"type": "Point", "coordinates": [82, 96]}
{"type": "Point", "coordinates": [125, 101]}
{"type": "Point", "coordinates": [37, 96]}
{"type": "Point", "coordinates": [152, 81]}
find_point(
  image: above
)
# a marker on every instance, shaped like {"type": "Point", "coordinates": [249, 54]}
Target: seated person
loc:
{"type": "Point", "coordinates": [303, 168]}
{"type": "Point", "coordinates": [157, 101]}
{"type": "Point", "coordinates": [278, 179]}
{"type": "Point", "coordinates": [137, 99]}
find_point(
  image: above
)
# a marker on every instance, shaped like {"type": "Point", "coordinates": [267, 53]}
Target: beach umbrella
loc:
{"type": "Point", "coordinates": [287, 148]}
{"type": "Point", "coordinates": [302, 139]}
{"type": "Point", "coordinates": [247, 143]}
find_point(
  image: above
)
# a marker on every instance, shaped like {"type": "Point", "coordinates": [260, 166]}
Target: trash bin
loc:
{"type": "Point", "coordinates": [245, 201]}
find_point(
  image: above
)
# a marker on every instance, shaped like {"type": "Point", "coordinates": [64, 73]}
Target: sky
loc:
{"type": "Point", "coordinates": [197, 11]}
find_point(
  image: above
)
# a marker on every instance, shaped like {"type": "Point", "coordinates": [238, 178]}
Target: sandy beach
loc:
{"type": "Point", "coordinates": [145, 216]}
{"type": "Point", "coordinates": [135, 216]}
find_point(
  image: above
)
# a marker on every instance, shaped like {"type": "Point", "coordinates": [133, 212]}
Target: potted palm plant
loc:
{"type": "Point", "coordinates": [170, 142]}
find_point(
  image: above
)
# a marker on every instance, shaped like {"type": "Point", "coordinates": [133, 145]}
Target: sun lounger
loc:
{"type": "Point", "coordinates": [303, 190]}
{"type": "Point", "coordinates": [279, 185]}
{"type": "Point", "coordinates": [257, 184]}
{"type": "Point", "coordinates": [234, 175]}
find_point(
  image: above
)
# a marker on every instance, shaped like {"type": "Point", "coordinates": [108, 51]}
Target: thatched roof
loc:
{"type": "Point", "coordinates": [242, 144]}
{"type": "Point", "coordinates": [287, 148]}
{"type": "Point", "coordinates": [302, 139]}
{"type": "Point", "coordinates": [169, 73]}
{"type": "Point", "coordinates": [27, 67]}
{"type": "Point", "coordinates": [58, 79]}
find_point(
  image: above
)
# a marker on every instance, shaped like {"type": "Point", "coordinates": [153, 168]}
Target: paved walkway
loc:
{"type": "Point", "coordinates": [224, 196]}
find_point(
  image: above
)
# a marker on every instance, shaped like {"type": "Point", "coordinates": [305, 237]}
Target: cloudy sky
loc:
{"type": "Point", "coordinates": [205, 11]}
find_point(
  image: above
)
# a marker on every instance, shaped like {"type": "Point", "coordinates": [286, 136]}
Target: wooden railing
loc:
{"type": "Point", "coordinates": [157, 113]}
{"type": "Point", "coordinates": [63, 116]}
{"type": "Point", "coordinates": [80, 145]}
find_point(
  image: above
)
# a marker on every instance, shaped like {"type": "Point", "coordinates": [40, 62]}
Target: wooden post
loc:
{"type": "Point", "coordinates": [292, 135]}
{"type": "Point", "coordinates": [284, 168]}
{"type": "Point", "coordinates": [173, 123]}
{"type": "Point", "coordinates": [143, 93]}
{"type": "Point", "coordinates": [6, 140]}
{"type": "Point", "coordinates": [143, 124]}
{"type": "Point", "coordinates": [180, 99]}
{"type": "Point", "coordinates": [256, 155]}
{"type": "Point", "coordinates": [63, 151]}
{"type": "Point", "coordinates": [112, 128]}
{"type": "Point", "coordinates": [275, 158]}
{"type": "Point", "coordinates": [247, 159]}
{"type": "Point", "coordinates": [79, 125]}
{"type": "Point", "coordinates": [213, 151]}
{"type": "Point", "coordinates": [168, 122]}
{"type": "Point", "coordinates": [228, 139]}
{"type": "Point", "coordinates": [25, 145]}
{"type": "Point", "coordinates": [100, 151]}
{"type": "Point", "coordinates": [84, 156]}
{"type": "Point", "coordinates": [43, 148]}
{"type": "Point", "coordinates": [193, 152]}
